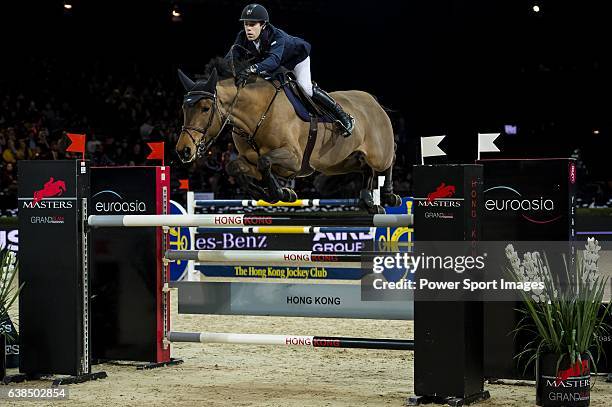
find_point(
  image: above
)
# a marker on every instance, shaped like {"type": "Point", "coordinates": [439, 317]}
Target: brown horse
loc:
{"type": "Point", "coordinates": [259, 108]}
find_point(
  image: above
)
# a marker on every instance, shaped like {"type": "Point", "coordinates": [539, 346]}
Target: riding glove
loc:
{"type": "Point", "coordinates": [243, 75]}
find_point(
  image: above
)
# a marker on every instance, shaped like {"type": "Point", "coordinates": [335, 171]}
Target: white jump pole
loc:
{"type": "Point", "coordinates": [246, 220]}
{"type": "Point", "coordinates": [291, 340]}
{"type": "Point", "coordinates": [268, 257]}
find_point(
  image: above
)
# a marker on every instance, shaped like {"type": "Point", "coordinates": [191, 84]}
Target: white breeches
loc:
{"type": "Point", "coordinates": [302, 74]}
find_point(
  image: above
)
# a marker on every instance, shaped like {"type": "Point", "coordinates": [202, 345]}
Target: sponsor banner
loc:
{"type": "Point", "coordinates": [53, 199]}
{"type": "Point", "coordinates": [447, 208]}
{"type": "Point", "coordinates": [12, 342]}
{"type": "Point", "coordinates": [332, 242]}
{"type": "Point", "coordinates": [524, 200]}
{"type": "Point", "coordinates": [127, 263]}
{"type": "Point", "coordinates": [240, 241]}
{"type": "Point", "coordinates": [286, 299]}
{"type": "Point", "coordinates": [179, 239]}
{"type": "Point", "coordinates": [50, 199]}
{"type": "Point", "coordinates": [9, 238]}
{"type": "Point", "coordinates": [117, 191]}
{"type": "Point", "coordinates": [298, 273]}
{"type": "Point", "coordinates": [341, 242]}
{"type": "Point", "coordinates": [320, 242]}
{"type": "Point", "coordinates": [445, 203]}
{"type": "Point", "coordinates": [398, 239]}
{"type": "Point", "coordinates": [529, 199]}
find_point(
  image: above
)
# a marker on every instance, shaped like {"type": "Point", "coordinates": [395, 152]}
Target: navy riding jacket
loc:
{"type": "Point", "coordinates": [276, 48]}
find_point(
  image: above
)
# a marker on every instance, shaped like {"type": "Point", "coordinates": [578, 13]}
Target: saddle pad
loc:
{"type": "Point", "coordinates": [300, 109]}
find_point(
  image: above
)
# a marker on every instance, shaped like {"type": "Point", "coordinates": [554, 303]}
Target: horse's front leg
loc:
{"type": "Point", "coordinates": [245, 173]}
{"type": "Point", "coordinates": [284, 161]}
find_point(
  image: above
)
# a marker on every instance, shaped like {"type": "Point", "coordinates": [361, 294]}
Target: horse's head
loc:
{"type": "Point", "coordinates": [201, 117]}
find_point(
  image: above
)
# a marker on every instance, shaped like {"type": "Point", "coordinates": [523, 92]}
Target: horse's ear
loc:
{"type": "Point", "coordinates": [187, 83]}
{"type": "Point", "coordinates": [212, 80]}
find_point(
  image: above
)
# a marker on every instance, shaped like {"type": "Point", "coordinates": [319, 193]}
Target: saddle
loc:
{"type": "Point", "coordinates": [304, 106]}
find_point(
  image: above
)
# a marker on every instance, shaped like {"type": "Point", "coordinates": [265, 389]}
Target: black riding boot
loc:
{"type": "Point", "coordinates": [345, 120]}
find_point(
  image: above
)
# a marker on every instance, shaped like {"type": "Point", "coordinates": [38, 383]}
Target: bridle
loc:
{"type": "Point", "coordinates": [193, 97]}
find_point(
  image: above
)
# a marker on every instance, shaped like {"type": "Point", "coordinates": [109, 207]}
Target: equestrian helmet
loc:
{"type": "Point", "coordinates": [254, 12]}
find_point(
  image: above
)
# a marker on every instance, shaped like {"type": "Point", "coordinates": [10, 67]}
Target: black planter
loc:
{"type": "Point", "coordinates": [567, 386]}
{"type": "Point", "coordinates": [2, 356]}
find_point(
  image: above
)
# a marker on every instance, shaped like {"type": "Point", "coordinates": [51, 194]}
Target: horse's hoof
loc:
{"type": "Point", "coordinates": [289, 195]}
{"type": "Point", "coordinates": [257, 196]}
{"type": "Point", "coordinates": [269, 198]}
{"type": "Point", "coordinates": [391, 199]}
{"type": "Point", "coordinates": [366, 201]}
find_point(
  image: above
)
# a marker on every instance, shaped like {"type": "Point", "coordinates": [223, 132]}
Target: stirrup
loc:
{"type": "Point", "coordinates": [346, 131]}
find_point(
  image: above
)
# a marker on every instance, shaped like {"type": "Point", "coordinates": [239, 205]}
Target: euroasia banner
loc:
{"type": "Point", "coordinates": [377, 239]}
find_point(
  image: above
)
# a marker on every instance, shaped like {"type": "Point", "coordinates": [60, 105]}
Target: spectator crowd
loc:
{"type": "Point", "coordinates": [120, 111]}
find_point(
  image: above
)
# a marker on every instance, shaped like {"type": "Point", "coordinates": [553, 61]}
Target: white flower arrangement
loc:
{"type": "Point", "coordinates": [568, 320]}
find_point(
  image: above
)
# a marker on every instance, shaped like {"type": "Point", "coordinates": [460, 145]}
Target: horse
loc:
{"type": "Point", "coordinates": [271, 139]}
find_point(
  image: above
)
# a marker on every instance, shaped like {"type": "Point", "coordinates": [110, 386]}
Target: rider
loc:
{"type": "Point", "coordinates": [272, 48]}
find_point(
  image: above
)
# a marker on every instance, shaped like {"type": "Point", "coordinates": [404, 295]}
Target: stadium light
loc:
{"type": "Point", "coordinates": [176, 14]}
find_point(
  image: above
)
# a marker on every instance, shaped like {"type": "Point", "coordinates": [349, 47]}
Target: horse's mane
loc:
{"type": "Point", "coordinates": [224, 67]}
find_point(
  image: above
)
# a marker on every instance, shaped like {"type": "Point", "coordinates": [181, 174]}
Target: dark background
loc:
{"type": "Point", "coordinates": [446, 67]}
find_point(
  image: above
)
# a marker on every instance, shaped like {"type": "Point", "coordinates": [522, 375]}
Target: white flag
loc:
{"type": "Point", "coordinates": [486, 143]}
{"type": "Point", "coordinates": [429, 146]}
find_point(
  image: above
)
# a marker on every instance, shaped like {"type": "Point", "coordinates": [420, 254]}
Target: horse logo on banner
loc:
{"type": "Point", "coordinates": [50, 189]}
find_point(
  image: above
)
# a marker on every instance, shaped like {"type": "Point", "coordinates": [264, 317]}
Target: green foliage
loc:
{"type": "Point", "coordinates": [9, 267]}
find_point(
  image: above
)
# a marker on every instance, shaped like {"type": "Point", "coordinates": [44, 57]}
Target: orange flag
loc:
{"type": "Point", "coordinates": [184, 184]}
{"type": "Point", "coordinates": [77, 143]}
{"type": "Point", "coordinates": [157, 151]}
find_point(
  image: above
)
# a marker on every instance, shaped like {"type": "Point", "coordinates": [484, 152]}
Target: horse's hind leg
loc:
{"type": "Point", "coordinates": [356, 163]}
{"type": "Point", "coordinates": [365, 194]}
{"type": "Point", "coordinates": [387, 197]}
{"type": "Point", "coordinates": [366, 200]}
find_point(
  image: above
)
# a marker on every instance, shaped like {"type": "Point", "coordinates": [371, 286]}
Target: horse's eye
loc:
{"type": "Point", "coordinates": [205, 109]}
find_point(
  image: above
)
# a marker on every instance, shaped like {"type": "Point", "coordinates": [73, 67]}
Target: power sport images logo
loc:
{"type": "Point", "coordinates": [538, 209]}
{"type": "Point", "coordinates": [109, 201]}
